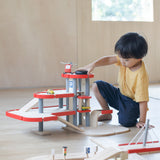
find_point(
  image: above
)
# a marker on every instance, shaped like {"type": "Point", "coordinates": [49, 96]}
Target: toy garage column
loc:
{"type": "Point", "coordinates": [87, 89]}
{"type": "Point", "coordinates": [40, 107]}
{"type": "Point", "coordinates": [87, 94]}
{"type": "Point", "coordinates": [75, 101]}
{"type": "Point", "coordinates": [67, 99]}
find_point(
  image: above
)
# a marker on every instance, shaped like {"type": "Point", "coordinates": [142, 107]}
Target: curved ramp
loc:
{"type": "Point", "coordinates": [95, 114]}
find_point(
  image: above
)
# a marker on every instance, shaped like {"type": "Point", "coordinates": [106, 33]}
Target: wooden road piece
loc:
{"type": "Point", "coordinates": [70, 124]}
{"type": "Point", "coordinates": [105, 130]}
{"type": "Point", "coordinates": [29, 105]}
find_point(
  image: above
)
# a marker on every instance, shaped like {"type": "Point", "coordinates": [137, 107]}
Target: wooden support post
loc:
{"type": "Point", "coordinates": [60, 102]}
{"type": "Point", "coordinates": [75, 101]}
{"type": "Point", "coordinates": [67, 99]}
{"type": "Point", "coordinates": [40, 107]}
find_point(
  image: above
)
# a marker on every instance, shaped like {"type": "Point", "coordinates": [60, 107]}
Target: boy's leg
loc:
{"type": "Point", "coordinates": [102, 102]}
{"type": "Point", "coordinates": [108, 95]}
{"type": "Point", "coordinates": [128, 111]}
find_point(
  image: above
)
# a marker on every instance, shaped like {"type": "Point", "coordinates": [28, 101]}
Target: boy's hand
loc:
{"type": "Point", "coordinates": [141, 124]}
{"type": "Point", "coordinates": [89, 68]}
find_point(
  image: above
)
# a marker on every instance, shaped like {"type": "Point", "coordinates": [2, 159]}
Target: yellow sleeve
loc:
{"type": "Point", "coordinates": [141, 91]}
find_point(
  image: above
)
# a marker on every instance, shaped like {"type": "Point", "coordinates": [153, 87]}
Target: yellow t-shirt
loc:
{"type": "Point", "coordinates": [133, 84]}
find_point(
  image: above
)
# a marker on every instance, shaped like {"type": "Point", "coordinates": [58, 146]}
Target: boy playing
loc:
{"type": "Point", "coordinates": [131, 98]}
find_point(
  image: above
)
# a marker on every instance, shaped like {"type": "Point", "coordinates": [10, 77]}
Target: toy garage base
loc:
{"type": "Point", "coordinates": [101, 130]}
{"type": "Point", "coordinates": [105, 130]}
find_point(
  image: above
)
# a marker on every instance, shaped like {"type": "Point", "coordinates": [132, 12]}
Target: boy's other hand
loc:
{"type": "Point", "coordinates": [141, 124]}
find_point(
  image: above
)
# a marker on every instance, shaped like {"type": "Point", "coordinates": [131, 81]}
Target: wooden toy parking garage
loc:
{"type": "Point", "coordinates": [76, 109]}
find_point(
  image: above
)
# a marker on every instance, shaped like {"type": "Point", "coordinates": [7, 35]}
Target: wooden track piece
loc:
{"type": "Point", "coordinates": [105, 130]}
{"type": "Point", "coordinates": [29, 105]}
{"type": "Point", "coordinates": [69, 124]}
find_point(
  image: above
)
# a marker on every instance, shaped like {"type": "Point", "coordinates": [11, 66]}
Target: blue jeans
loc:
{"type": "Point", "coordinates": [128, 109]}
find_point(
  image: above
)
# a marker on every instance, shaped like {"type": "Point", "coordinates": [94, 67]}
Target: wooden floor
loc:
{"type": "Point", "coordinates": [18, 140]}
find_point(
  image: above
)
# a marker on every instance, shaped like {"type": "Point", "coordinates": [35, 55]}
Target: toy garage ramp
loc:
{"type": "Point", "coordinates": [29, 105]}
{"type": "Point", "coordinates": [31, 113]}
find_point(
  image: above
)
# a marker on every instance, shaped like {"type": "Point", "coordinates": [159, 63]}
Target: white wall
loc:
{"type": "Point", "coordinates": [36, 35]}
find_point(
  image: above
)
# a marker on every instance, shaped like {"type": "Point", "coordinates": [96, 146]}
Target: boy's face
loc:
{"type": "Point", "coordinates": [129, 62]}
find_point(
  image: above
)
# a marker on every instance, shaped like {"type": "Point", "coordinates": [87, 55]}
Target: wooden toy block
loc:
{"type": "Point", "coordinates": [95, 114]}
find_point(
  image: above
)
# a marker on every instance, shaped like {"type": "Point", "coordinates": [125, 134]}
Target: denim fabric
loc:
{"type": "Point", "coordinates": [128, 109]}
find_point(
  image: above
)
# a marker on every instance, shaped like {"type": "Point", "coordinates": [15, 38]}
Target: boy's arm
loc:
{"type": "Point", "coordinates": [103, 61]}
{"type": "Point", "coordinates": [143, 112]}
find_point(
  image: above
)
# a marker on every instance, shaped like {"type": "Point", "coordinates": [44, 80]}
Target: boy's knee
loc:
{"type": "Point", "coordinates": [126, 121]}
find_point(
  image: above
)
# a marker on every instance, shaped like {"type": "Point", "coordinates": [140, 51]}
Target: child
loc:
{"type": "Point", "coordinates": [131, 98]}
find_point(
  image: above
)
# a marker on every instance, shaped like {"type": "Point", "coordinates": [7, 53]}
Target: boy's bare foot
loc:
{"type": "Point", "coordinates": [105, 117]}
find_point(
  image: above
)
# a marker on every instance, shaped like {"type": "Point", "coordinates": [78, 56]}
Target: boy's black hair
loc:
{"type": "Point", "coordinates": [131, 45]}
